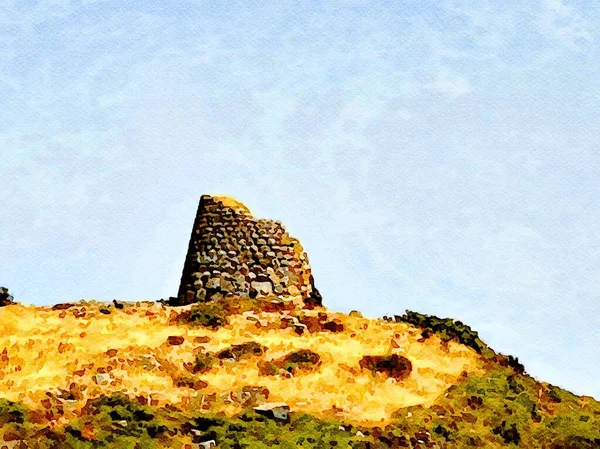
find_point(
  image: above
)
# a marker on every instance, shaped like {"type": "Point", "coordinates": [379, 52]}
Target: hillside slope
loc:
{"type": "Point", "coordinates": [72, 373]}
{"type": "Point", "coordinates": [48, 350]}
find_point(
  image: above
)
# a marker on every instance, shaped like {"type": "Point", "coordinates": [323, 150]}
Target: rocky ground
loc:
{"type": "Point", "coordinates": [261, 372]}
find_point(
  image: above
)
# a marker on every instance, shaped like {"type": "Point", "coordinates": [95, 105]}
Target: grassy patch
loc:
{"type": "Point", "coordinates": [497, 410]}
{"type": "Point", "coordinates": [244, 350]}
{"type": "Point", "coordinates": [207, 315]}
{"type": "Point", "coordinates": [203, 362]}
{"type": "Point", "coordinates": [445, 328]}
{"type": "Point", "coordinates": [503, 409]}
{"type": "Point", "coordinates": [297, 362]}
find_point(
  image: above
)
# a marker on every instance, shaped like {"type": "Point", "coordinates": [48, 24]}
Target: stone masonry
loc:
{"type": "Point", "coordinates": [231, 253]}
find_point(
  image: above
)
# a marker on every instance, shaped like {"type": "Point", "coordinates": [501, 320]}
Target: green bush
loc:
{"type": "Point", "coordinates": [445, 328]}
{"type": "Point", "coordinates": [208, 315]}
{"type": "Point", "coordinates": [243, 350]}
{"type": "Point", "coordinates": [203, 362]}
{"type": "Point", "coordinates": [503, 409]}
{"type": "Point", "coordinates": [296, 362]}
{"type": "Point", "coordinates": [12, 412]}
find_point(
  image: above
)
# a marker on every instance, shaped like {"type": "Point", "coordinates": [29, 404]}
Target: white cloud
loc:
{"type": "Point", "coordinates": [562, 23]}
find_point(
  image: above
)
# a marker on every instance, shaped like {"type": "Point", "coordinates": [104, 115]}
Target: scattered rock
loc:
{"type": "Point", "coordinates": [62, 306]}
{"type": "Point", "coordinates": [102, 378]}
{"type": "Point", "coordinates": [333, 326]}
{"type": "Point", "coordinates": [13, 441]}
{"type": "Point", "coordinates": [250, 395]}
{"type": "Point", "coordinates": [175, 340]}
{"type": "Point", "coordinates": [194, 384]}
{"type": "Point", "coordinates": [274, 410]}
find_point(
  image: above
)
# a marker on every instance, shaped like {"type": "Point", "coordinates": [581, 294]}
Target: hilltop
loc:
{"type": "Point", "coordinates": [246, 355]}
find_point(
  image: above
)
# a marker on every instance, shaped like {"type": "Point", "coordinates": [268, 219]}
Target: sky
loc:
{"type": "Point", "coordinates": [441, 157]}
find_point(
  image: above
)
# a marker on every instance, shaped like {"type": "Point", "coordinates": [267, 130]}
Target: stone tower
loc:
{"type": "Point", "coordinates": [231, 254]}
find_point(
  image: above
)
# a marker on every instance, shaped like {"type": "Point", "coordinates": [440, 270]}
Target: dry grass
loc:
{"type": "Point", "coordinates": [44, 350]}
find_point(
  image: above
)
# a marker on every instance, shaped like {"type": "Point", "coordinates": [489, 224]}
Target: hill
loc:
{"type": "Point", "coordinates": [259, 362]}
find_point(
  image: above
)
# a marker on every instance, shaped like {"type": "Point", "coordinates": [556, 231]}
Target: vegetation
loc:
{"type": "Point", "coordinates": [498, 410]}
{"type": "Point", "coordinates": [246, 349]}
{"type": "Point", "coordinates": [207, 315]}
{"type": "Point", "coordinates": [214, 314]}
{"type": "Point", "coordinates": [77, 378]}
{"type": "Point", "coordinates": [445, 328]}
{"type": "Point", "coordinates": [293, 363]}
{"type": "Point", "coordinates": [203, 362]}
{"type": "Point", "coordinates": [503, 408]}
{"type": "Point", "coordinates": [448, 329]}
{"type": "Point", "coordinates": [119, 422]}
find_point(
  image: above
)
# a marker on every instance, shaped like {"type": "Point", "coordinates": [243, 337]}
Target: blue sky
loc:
{"type": "Point", "coordinates": [440, 157]}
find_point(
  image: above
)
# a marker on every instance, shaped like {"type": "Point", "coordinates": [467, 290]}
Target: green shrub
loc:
{"type": "Point", "coordinates": [12, 412]}
{"type": "Point", "coordinates": [203, 362]}
{"type": "Point", "coordinates": [118, 421]}
{"type": "Point", "coordinates": [303, 360]}
{"type": "Point", "coordinates": [445, 328]}
{"type": "Point", "coordinates": [506, 409]}
{"type": "Point", "coordinates": [208, 315]}
{"type": "Point", "coordinates": [243, 350]}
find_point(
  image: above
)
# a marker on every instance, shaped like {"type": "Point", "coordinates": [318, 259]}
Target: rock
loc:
{"type": "Point", "coordinates": [102, 378]}
{"type": "Point", "coordinates": [213, 284]}
{"type": "Point", "coordinates": [14, 444]}
{"type": "Point", "coordinates": [62, 306]}
{"type": "Point", "coordinates": [262, 288]}
{"type": "Point", "coordinates": [333, 326]}
{"type": "Point", "coordinates": [5, 298]}
{"type": "Point", "coordinates": [175, 340]}
{"type": "Point", "coordinates": [395, 366]}
{"type": "Point", "coordinates": [274, 410]}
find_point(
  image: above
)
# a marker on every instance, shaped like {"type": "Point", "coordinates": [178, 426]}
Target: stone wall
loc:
{"type": "Point", "coordinates": [231, 253]}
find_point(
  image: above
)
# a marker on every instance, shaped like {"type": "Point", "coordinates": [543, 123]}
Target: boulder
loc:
{"type": "Point", "coordinates": [274, 410]}
{"type": "Point", "coordinates": [5, 298]}
{"type": "Point", "coordinates": [102, 378]}
{"type": "Point", "coordinates": [175, 340]}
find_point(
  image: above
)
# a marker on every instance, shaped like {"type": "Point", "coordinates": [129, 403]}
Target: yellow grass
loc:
{"type": "Point", "coordinates": [42, 350]}
{"type": "Point", "coordinates": [232, 203]}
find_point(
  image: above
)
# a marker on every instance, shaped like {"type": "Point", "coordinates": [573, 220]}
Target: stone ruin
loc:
{"type": "Point", "coordinates": [232, 254]}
